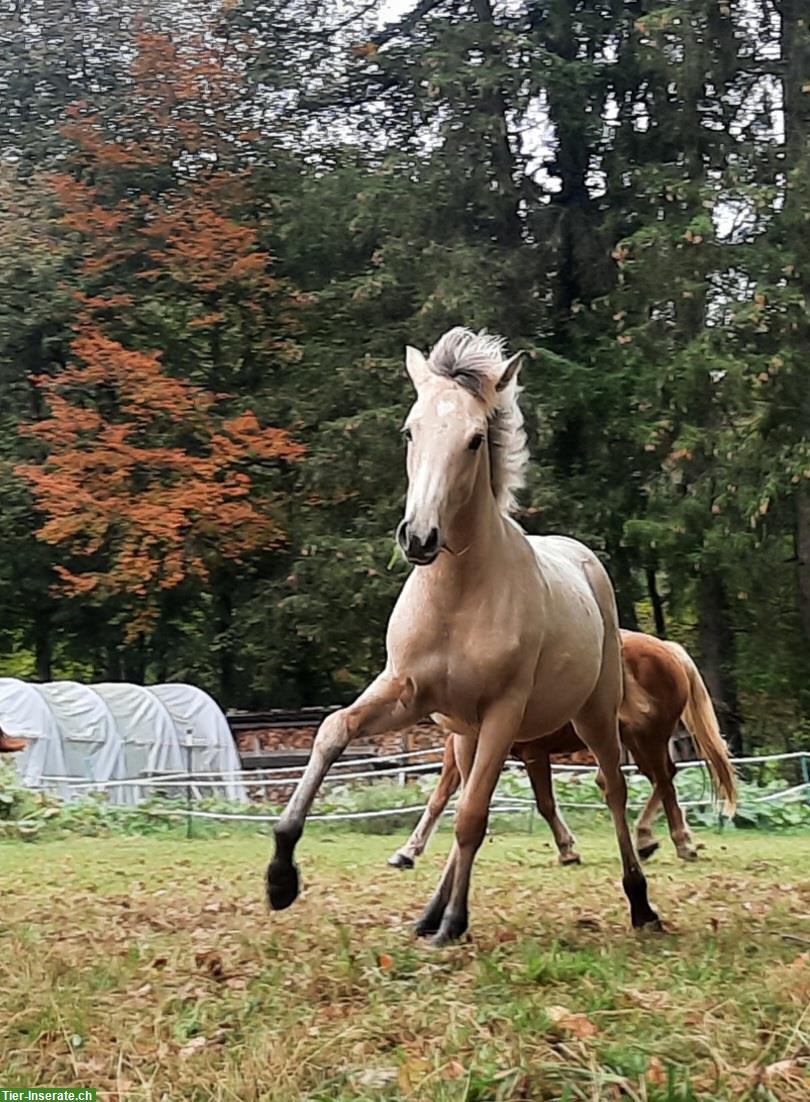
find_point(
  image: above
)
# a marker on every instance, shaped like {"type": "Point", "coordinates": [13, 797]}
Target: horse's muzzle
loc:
{"type": "Point", "coordinates": [420, 552]}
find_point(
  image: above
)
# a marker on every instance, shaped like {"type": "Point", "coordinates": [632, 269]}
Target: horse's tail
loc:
{"type": "Point", "coordinates": [700, 720]}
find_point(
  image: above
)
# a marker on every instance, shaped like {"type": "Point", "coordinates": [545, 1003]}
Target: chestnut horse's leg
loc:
{"type": "Point", "coordinates": [639, 743]}
{"type": "Point", "coordinates": [388, 704]}
{"type": "Point", "coordinates": [646, 842]}
{"type": "Point", "coordinates": [665, 773]}
{"type": "Point", "coordinates": [653, 759]}
{"type": "Point", "coordinates": [449, 781]}
{"type": "Point", "coordinates": [538, 766]}
{"type": "Point", "coordinates": [449, 903]}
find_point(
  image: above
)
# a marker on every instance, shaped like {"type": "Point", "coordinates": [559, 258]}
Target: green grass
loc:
{"type": "Point", "coordinates": [150, 969]}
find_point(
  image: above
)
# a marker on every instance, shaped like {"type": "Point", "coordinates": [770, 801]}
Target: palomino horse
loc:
{"type": "Point", "coordinates": [664, 686]}
{"type": "Point", "coordinates": [503, 636]}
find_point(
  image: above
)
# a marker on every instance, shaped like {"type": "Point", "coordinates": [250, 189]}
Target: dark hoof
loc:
{"type": "Point", "coordinates": [452, 928]}
{"type": "Point", "coordinates": [401, 861]}
{"type": "Point", "coordinates": [635, 888]}
{"type": "Point", "coordinates": [645, 852]}
{"type": "Point", "coordinates": [570, 858]}
{"type": "Point", "coordinates": [431, 919]}
{"type": "Point", "coordinates": [652, 923]}
{"type": "Point", "coordinates": [423, 928]}
{"type": "Point", "coordinates": [282, 885]}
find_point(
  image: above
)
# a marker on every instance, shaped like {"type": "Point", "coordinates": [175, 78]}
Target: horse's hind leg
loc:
{"type": "Point", "coordinates": [646, 843]}
{"type": "Point", "coordinates": [538, 766]}
{"type": "Point", "coordinates": [665, 773]}
{"type": "Point", "coordinates": [449, 781]}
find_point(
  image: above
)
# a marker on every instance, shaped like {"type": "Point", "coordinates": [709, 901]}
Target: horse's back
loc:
{"type": "Point", "coordinates": [578, 564]}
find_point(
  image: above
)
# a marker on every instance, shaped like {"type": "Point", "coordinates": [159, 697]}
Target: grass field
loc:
{"type": "Point", "coordinates": [150, 969]}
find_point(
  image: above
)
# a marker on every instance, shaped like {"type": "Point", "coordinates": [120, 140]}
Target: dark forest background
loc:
{"type": "Point", "coordinates": [221, 222]}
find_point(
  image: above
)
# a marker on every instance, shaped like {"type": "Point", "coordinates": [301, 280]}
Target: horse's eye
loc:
{"type": "Point", "coordinates": [407, 434]}
{"type": "Point", "coordinates": [476, 442]}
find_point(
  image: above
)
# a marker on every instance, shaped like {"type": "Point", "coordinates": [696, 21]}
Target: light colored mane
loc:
{"type": "Point", "coordinates": [476, 362]}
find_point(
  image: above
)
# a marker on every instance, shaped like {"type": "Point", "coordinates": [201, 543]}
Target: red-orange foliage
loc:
{"type": "Point", "coordinates": [159, 490]}
{"type": "Point", "coordinates": [146, 482]}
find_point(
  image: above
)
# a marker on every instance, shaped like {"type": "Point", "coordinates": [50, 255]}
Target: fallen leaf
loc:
{"type": "Point", "coordinates": [190, 1048]}
{"type": "Point", "coordinates": [589, 922]}
{"type": "Point", "coordinates": [211, 961]}
{"type": "Point", "coordinates": [385, 962]}
{"type": "Point", "coordinates": [376, 1077]}
{"type": "Point", "coordinates": [782, 1069]}
{"type": "Point", "coordinates": [655, 1072]}
{"type": "Point", "coordinates": [578, 1025]}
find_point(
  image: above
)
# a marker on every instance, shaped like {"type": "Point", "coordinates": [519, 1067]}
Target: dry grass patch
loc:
{"type": "Point", "coordinates": [150, 969]}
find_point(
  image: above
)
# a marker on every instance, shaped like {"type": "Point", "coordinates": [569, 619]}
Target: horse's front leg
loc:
{"type": "Point", "coordinates": [449, 781]}
{"type": "Point", "coordinates": [498, 731]}
{"type": "Point", "coordinates": [388, 704]}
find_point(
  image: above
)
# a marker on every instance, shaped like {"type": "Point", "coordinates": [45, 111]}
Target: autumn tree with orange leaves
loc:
{"type": "Point", "coordinates": [152, 477]}
{"type": "Point", "coordinates": [144, 484]}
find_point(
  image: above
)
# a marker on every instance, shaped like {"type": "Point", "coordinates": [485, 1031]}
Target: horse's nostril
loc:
{"type": "Point", "coordinates": [402, 534]}
{"type": "Point", "coordinates": [432, 542]}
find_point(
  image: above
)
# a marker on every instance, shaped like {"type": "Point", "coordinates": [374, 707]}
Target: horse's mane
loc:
{"type": "Point", "coordinates": [476, 362]}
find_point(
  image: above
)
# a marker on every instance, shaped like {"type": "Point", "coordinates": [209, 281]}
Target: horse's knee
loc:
{"type": "Point", "coordinates": [471, 826]}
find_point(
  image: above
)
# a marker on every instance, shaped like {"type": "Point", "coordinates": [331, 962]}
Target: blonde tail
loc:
{"type": "Point", "coordinates": [700, 720]}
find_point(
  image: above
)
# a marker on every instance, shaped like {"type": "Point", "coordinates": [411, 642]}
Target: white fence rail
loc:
{"type": "Point", "coordinates": [406, 765]}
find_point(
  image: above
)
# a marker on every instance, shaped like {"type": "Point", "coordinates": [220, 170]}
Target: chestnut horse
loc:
{"type": "Point", "coordinates": [10, 744]}
{"type": "Point", "coordinates": [503, 636]}
{"type": "Point", "coordinates": [662, 686]}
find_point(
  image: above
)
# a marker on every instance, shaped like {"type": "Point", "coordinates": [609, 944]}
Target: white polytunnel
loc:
{"type": "Point", "coordinates": [91, 743]}
{"type": "Point", "coordinates": [204, 736]}
{"type": "Point", "coordinates": [25, 714]}
{"type": "Point", "coordinates": [110, 736]}
{"type": "Point", "coordinates": [151, 745]}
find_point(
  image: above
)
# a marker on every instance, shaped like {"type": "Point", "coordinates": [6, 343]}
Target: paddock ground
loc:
{"type": "Point", "coordinates": [149, 968]}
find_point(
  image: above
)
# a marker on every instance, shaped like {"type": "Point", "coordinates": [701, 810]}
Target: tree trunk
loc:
{"type": "Point", "coordinates": [502, 157]}
{"type": "Point", "coordinates": [657, 603]}
{"type": "Point", "coordinates": [113, 670]}
{"type": "Point", "coordinates": [624, 586]}
{"type": "Point", "coordinates": [224, 615]}
{"type": "Point", "coordinates": [43, 649]}
{"type": "Point", "coordinates": [803, 559]}
{"type": "Point", "coordinates": [716, 641]}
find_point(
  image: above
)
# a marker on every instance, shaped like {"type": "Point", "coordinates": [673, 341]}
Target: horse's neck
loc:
{"type": "Point", "coordinates": [478, 538]}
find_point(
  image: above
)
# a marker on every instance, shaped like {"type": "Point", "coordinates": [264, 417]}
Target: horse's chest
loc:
{"type": "Point", "coordinates": [472, 662]}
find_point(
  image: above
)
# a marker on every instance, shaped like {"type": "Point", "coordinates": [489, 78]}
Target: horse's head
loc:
{"type": "Point", "coordinates": [459, 389]}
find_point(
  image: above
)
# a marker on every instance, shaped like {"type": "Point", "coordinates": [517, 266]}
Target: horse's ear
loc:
{"type": "Point", "coordinates": [416, 366]}
{"type": "Point", "coordinates": [510, 371]}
